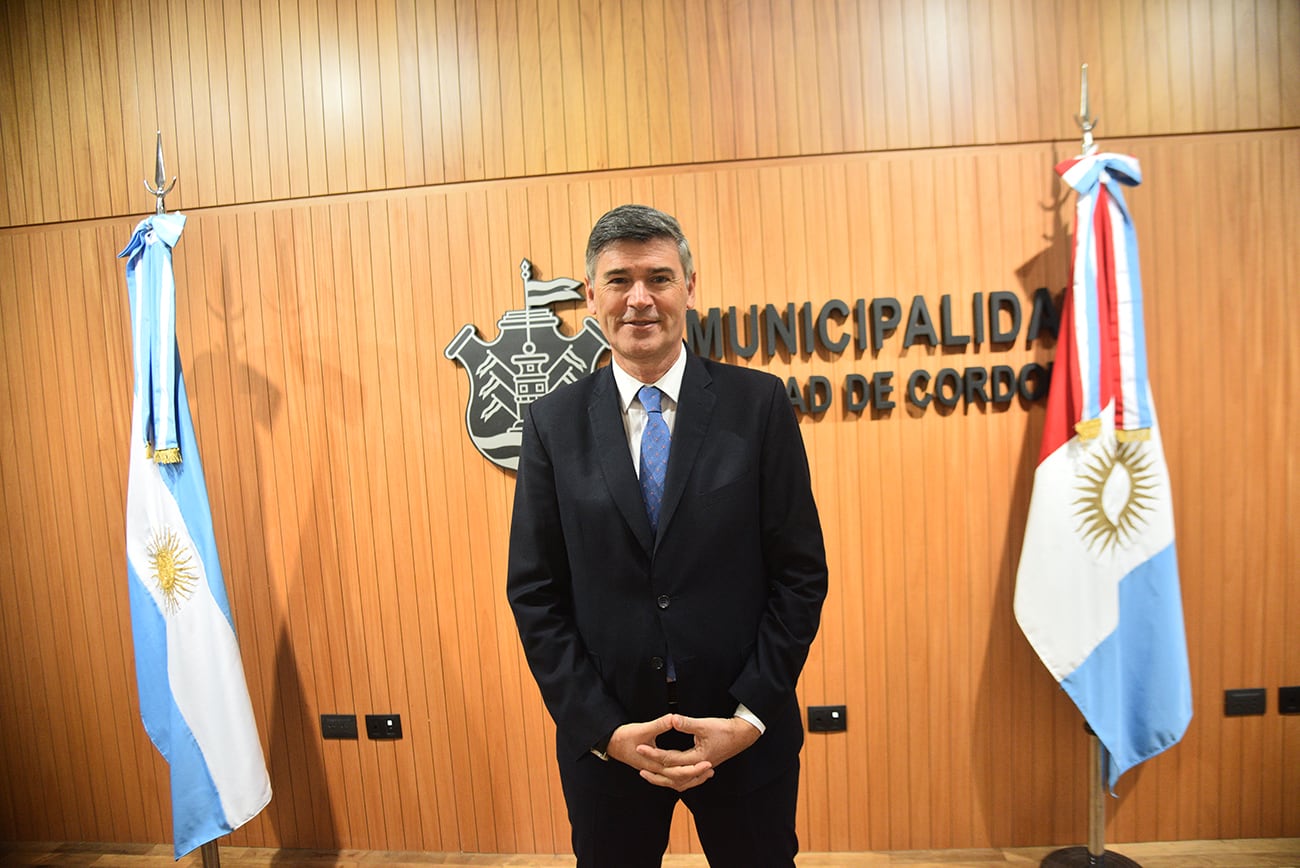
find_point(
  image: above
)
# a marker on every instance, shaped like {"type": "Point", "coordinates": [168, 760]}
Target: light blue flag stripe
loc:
{"type": "Point", "coordinates": [1091, 386]}
{"type": "Point", "coordinates": [197, 815]}
{"type": "Point", "coordinates": [1145, 416]}
{"type": "Point", "coordinates": [1135, 687]}
{"type": "Point", "coordinates": [185, 482]}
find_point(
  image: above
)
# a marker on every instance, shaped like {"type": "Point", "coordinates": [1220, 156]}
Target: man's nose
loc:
{"type": "Point", "coordinates": [639, 295]}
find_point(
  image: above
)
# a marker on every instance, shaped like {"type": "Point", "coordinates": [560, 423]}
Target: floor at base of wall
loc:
{"type": "Point", "coordinates": [1239, 853]}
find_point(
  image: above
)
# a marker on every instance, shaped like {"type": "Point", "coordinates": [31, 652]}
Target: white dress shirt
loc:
{"type": "Point", "coordinates": [634, 415]}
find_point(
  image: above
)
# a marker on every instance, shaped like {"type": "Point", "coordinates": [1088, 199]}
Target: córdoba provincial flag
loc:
{"type": "Point", "coordinates": [193, 696]}
{"type": "Point", "coordinates": [1097, 588]}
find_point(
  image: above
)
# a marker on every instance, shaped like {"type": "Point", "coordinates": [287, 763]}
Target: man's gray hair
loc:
{"type": "Point", "coordinates": [636, 223]}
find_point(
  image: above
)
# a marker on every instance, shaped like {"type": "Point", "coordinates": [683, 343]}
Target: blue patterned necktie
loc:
{"type": "Point", "coordinates": [654, 454]}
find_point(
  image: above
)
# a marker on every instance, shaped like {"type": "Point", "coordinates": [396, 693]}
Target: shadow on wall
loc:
{"type": "Point", "coordinates": [280, 695]}
{"type": "Point", "coordinates": [1011, 789]}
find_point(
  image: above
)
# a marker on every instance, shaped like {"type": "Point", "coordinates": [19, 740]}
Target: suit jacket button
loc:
{"type": "Point", "coordinates": [663, 601]}
{"type": "Point", "coordinates": [657, 663]}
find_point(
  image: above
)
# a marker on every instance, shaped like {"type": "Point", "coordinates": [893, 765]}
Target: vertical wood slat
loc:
{"type": "Point", "coordinates": [276, 81]}
{"type": "Point", "coordinates": [82, 694]}
{"type": "Point", "coordinates": [26, 796]}
{"type": "Point", "coordinates": [1290, 271]}
{"type": "Point", "coordinates": [402, 100]}
{"type": "Point", "coordinates": [496, 126]}
{"type": "Point", "coordinates": [302, 61]}
{"type": "Point", "coordinates": [698, 83]}
{"type": "Point", "coordinates": [243, 103]}
{"type": "Point", "coordinates": [11, 200]}
{"type": "Point", "coordinates": [851, 111]}
{"type": "Point", "coordinates": [46, 602]}
{"type": "Point", "coordinates": [611, 109]}
{"type": "Point", "coordinates": [322, 378]}
{"type": "Point", "coordinates": [463, 40]}
{"type": "Point", "coordinates": [647, 34]}
{"type": "Point", "coordinates": [430, 130]}
{"type": "Point", "coordinates": [30, 32]}
{"type": "Point", "coordinates": [108, 24]}
{"type": "Point", "coordinates": [1288, 30]}
{"type": "Point", "coordinates": [450, 108]}
{"type": "Point", "coordinates": [62, 48]}
{"type": "Point", "coordinates": [371, 123]}
{"type": "Point", "coordinates": [436, 819]}
{"type": "Point", "coordinates": [264, 88]}
{"type": "Point", "coordinates": [345, 51]}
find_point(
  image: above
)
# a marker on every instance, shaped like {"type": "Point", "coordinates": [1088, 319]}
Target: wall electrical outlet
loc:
{"type": "Point", "coordinates": [1243, 703]}
{"type": "Point", "coordinates": [1288, 700]}
{"type": "Point", "coordinates": [338, 726]}
{"type": "Point", "coordinates": [827, 718]}
{"type": "Point", "coordinates": [381, 726]}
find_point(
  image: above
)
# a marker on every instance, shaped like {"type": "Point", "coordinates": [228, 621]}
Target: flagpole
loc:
{"type": "Point", "coordinates": [1095, 855]}
{"type": "Point", "coordinates": [209, 852]}
{"type": "Point", "coordinates": [1098, 414]}
{"type": "Point", "coordinates": [219, 778]}
{"type": "Point", "coordinates": [211, 855]}
{"type": "Point", "coordinates": [1096, 797]}
{"type": "Point", "coordinates": [1083, 119]}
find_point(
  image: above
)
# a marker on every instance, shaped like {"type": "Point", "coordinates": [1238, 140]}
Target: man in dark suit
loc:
{"type": "Point", "coordinates": [667, 573]}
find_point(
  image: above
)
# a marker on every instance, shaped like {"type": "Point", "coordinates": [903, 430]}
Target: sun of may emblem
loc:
{"type": "Point", "coordinates": [1116, 490]}
{"type": "Point", "coordinates": [173, 568]}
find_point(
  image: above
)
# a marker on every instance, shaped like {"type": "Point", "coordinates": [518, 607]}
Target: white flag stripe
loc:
{"type": "Point", "coordinates": [1083, 316]}
{"type": "Point", "coordinates": [1125, 317]}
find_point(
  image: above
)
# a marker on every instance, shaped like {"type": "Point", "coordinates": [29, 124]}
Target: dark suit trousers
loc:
{"type": "Point", "coordinates": [737, 830]}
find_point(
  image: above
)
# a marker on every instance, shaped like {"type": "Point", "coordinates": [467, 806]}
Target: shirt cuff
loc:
{"type": "Point", "coordinates": [749, 717]}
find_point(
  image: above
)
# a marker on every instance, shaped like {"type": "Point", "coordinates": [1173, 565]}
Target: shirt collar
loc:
{"type": "Point", "coordinates": [670, 383]}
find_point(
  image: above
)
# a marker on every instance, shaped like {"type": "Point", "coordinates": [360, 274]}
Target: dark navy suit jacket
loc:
{"type": "Point", "coordinates": [731, 587]}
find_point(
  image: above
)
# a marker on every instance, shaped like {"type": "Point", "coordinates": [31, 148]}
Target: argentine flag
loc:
{"type": "Point", "coordinates": [193, 696]}
{"type": "Point", "coordinates": [1097, 590]}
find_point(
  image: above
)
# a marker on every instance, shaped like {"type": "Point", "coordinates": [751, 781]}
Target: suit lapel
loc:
{"type": "Point", "coordinates": [694, 411]}
{"type": "Point", "coordinates": [615, 461]}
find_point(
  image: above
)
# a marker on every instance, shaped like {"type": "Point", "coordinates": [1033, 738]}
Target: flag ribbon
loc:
{"type": "Point", "coordinates": [1109, 361]}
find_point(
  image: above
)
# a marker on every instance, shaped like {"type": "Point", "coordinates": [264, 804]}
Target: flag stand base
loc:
{"type": "Point", "coordinates": [1095, 854]}
{"type": "Point", "coordinates": [1079, 857]}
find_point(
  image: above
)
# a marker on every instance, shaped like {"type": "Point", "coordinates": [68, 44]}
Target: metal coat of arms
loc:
{"type": "Point", "coordinates": [528, 359]}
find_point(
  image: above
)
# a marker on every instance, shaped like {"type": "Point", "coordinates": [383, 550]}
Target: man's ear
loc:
{"type": "Point", "coordinates": [591, 297]}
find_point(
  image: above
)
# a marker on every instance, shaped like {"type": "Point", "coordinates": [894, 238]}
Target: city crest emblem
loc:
{"type": "Point", "coordinates": [528, 359]}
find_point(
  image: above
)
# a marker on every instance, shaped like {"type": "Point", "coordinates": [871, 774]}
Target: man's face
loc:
{"type": "Point", "coordinates": [640, 296]}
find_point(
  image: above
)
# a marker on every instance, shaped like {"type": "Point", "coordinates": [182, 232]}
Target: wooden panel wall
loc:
{"type": "Point", "coordinates": [297, 98]}
{"type": "Point", "coordinates": [812, 152]}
